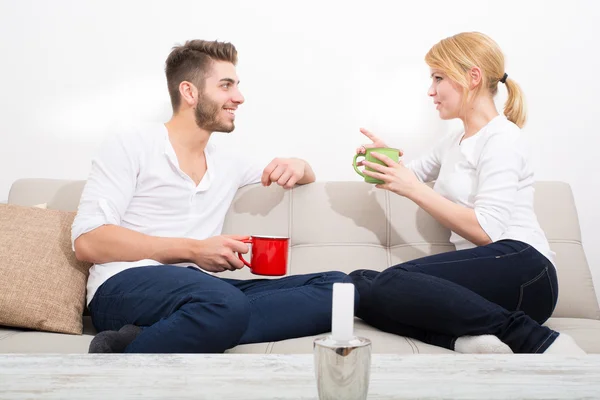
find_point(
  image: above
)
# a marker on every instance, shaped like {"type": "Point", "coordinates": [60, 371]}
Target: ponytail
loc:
{"type": "Point", "coordinates": [514, 109]}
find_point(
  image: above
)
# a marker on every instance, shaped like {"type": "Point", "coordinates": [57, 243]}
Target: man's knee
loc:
{"type": "Point", "coordinates": [332, 277]}
{"type": "Point", "coordinates": [363, 275]}
{"type": "Point", "coordinates": [232, 307]}
{"type": "Point", "coordinates": [329, 278]}
{"type": "Point", "coordinates": [225, 316]}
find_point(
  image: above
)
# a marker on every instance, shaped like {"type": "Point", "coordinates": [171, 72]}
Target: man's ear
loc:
{"type": "Point", "coordinates": [189, 93]}
{"type": "Point", "coordinates": [475, 77]}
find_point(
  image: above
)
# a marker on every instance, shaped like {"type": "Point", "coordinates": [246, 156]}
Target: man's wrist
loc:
{"type": "Point", "coordinates": [173, 250]}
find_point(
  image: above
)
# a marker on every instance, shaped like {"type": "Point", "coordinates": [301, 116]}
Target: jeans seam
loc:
{"type": "Point", "coordinates": [554, 297]}
{"type": "Point", "coordinates": [388, 228]}
{"type": "Point", "coordinates": [530, 282]}
{"type": "Point", "coordinates": [278, 291]}
{"type": "Point", "coordinates": [545, 340]}
{"type": "Point", "coordinates": [514, 253]}
{"type": "Point", "coordinates": [468, 259]}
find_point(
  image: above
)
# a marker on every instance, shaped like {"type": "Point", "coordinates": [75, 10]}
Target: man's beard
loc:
{"type": "Point", "coordinates": [207, 116]}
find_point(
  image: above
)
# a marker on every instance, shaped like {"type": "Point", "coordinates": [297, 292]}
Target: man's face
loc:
{"type": "Point", "coordinates": [217, 103]}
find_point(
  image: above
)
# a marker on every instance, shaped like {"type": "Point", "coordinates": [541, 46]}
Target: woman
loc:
{"type": "Point", "coordinates": [493, 293]}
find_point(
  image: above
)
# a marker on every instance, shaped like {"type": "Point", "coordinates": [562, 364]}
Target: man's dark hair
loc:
{"type": "Point", "coordinates": [192, 61]}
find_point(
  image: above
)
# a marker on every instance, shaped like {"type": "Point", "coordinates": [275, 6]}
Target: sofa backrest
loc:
{"type": "Point", "coordinates": [351, 225]}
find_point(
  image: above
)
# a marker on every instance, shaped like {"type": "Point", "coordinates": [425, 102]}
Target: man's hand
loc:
{"type": "Point", "coordinates": [287, 172]}
{"type": "Point", "coordinates": [219, 253]}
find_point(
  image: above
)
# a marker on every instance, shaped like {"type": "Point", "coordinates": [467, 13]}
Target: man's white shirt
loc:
{"type": "Point", "coordinates": [135, 182]}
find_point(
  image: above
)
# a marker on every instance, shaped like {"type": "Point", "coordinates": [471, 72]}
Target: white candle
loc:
{"type": "Point", "coordinates": [342, 315]}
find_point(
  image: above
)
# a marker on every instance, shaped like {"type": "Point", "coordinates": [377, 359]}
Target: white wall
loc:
{"type": "Point", "coordinates": [313, 72]}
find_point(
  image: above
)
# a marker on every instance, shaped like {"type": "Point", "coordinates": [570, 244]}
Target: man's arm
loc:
{"type": "Point", "coordinates": [110, 186]}
{"type": "Point", "coordinates": [109, 243]}
{"type": "Point", "coordinates": [96, 232]}
{"type": "Point", "coordinates": [309, 174]}
{"type": "Point", "coordinates": [288, 172]}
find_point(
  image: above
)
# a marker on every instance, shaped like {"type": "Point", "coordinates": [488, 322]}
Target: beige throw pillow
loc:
{"type": "Point", "coordinates": [42, 285]}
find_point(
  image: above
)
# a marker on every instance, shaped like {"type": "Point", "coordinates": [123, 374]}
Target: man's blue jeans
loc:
{"type": "Point", "coordinates": [183, 310]}
{"type": "Point", "coordinates": [506, 288]}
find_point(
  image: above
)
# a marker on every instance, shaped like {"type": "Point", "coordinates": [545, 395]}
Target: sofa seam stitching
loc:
{"type": "Point", "coordinates": [413, 345]}
{"type": "Point", "coordinates": [291, 210]}
{"type": "Point", "coordinates": [569, 241]}
{"type": "Point", "coordinates": [10, 334]}
{"type": "Point", "coordinates": [388, 228]}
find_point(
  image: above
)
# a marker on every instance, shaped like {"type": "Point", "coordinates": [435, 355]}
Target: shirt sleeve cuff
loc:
{"type": "Point", "coordinates": [490, 227]}
{"type": "Point", "coordinates": [87, 222]}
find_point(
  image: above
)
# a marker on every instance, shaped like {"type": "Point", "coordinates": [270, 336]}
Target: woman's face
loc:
{"type": "Point", "coordinates": [447, 95]}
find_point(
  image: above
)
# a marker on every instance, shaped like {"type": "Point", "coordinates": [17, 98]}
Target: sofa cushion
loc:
{"type": "Point", "coordinates": [381, 342]}
{"type": "Point", "coordinates": [26, 341]}
{"type": "Point", "coordinates": [584, 331]}
{"type": "Point", "coordinates": [18, 340]}
{"type": "Point", "coordinates": [43, 284]}
{"type": "Point", "coordinates": [351, 225]}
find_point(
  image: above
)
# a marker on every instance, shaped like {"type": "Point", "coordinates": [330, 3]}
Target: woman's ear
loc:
{"type": "Point", "coordinates": [475, 77]}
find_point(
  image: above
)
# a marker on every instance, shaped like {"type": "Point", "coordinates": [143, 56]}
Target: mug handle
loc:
{"type": "Point", "coordinates": [246, 263]}
{"type": "Point", "coordinates": [358, 171]}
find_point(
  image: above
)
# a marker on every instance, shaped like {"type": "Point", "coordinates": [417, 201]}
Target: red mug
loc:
{"type": "Point", "coordinates": [269, 255]}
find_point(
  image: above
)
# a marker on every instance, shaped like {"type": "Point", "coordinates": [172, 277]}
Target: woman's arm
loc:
{"type": "Point", "coordinates": [457, 218]}
{"type": "Point", "coordinates": [496, 185]}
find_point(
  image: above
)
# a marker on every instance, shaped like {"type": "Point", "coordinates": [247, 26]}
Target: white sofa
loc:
{"type": "Point", "coordinates": [346, 226]}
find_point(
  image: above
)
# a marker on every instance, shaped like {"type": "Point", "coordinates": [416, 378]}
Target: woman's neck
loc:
{"type": "Point", "coordinates": [478, 114]}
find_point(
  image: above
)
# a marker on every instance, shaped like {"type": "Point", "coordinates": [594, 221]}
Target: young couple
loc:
{"type": "Point", "coordinates": [157, 196]}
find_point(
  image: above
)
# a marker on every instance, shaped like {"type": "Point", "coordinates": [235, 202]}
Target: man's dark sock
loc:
{"type": "Point", "coordinates": [114, 341]}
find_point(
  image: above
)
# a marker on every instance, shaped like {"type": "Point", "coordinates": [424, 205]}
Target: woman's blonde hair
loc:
{"type": "Point", "coordinates": [456, 55]}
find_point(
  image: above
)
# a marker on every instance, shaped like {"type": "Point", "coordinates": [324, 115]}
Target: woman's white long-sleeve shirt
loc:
{"type": "Point", "coordinates": [489, 172]}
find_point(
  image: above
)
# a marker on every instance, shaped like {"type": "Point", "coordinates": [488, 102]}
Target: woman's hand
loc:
{"type": "Point", "coordinates": [375, 142]}
{"type": "Point", "coordinates": [396, 177]}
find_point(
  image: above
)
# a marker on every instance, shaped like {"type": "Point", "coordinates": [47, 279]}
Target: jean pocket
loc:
{"type": "Point", "coordinates": [537, 297]}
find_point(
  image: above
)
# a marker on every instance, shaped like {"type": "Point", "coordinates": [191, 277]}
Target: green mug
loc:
{"type": "Point", "coordinates": [387, 151]}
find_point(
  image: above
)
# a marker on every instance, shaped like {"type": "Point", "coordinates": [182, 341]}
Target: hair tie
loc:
{"type": "Point", "coordinates": [503, 79]}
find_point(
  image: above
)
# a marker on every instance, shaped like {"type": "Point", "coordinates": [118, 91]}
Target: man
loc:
{"type": "Point", "coordinates": [157, 195]}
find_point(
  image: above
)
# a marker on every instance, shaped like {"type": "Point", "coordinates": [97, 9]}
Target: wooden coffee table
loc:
{"type": "Point", "coordinates": [254, 376]}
